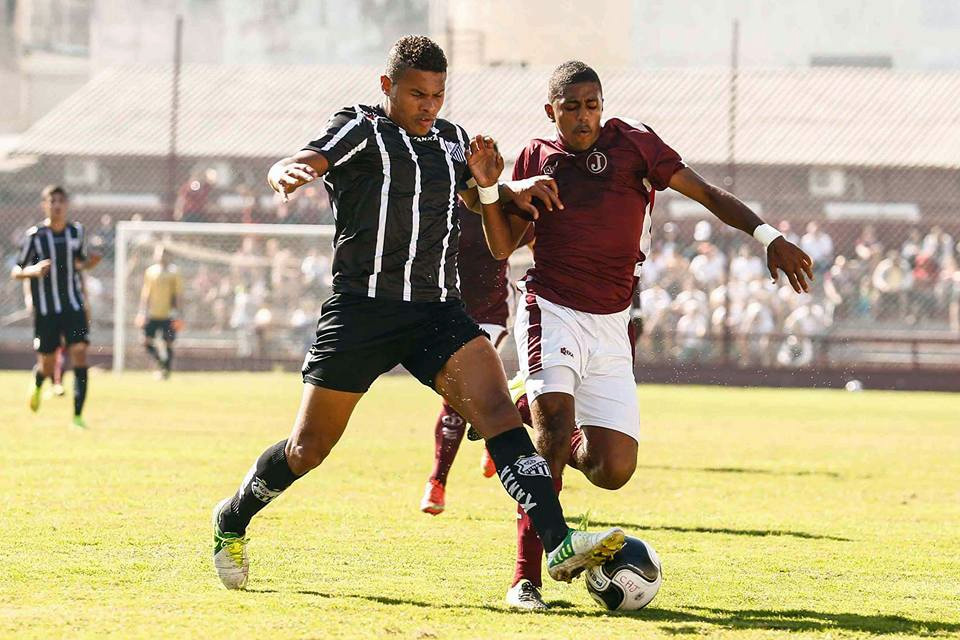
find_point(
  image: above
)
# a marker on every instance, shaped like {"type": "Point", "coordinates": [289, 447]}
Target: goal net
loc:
{"type": "Point", "coordinates": [251, 292]}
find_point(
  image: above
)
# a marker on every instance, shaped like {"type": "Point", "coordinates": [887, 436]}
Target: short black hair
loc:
{"type": "Point", "coordinates": [51, 189]}
{"type": "Point", "coordinates": [568, 73]}
{"type": "Point", "coordinates": [415, 52]}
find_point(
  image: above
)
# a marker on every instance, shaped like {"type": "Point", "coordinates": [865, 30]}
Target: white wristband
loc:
{"type": "Point", "coordinates": [489, 195]}
{"type": "Point", "coordinates": [766, 234]}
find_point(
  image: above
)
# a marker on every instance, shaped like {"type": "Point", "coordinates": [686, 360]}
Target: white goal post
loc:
{"type": "Point", "coordinates": [247, 287]}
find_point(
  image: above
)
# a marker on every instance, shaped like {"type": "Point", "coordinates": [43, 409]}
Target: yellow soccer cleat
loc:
{"type": "Point", "coordinates": [35, 398]}
{"type": "Point", "coordinates": [581, 550]}
{"type": "Point", "coordinates": [517, 387]}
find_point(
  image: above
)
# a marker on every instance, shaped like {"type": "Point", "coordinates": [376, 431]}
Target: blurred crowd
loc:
{"type": "Point", "coordinates": [202, 198]}
{"type": "Point", "coordinates": [693, 295]}
{"type": "Point", "coordinates": [262, 297]}
{"type": "Point", "coordinates": [703, 292]}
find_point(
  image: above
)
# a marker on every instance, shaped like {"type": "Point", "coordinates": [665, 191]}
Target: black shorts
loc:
{"type": "Point", "coordinates": [360, 338]}
{"type": "Point", "coordinates": [50, 331]}
{"type": "Point", "coordinates": [163, 327]}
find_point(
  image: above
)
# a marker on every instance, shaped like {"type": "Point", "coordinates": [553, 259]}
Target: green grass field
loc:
{"type": "Point", "coordinates": [777, 513]}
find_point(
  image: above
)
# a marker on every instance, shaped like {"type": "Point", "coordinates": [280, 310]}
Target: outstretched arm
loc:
{"type": "Point", "coordinates": [289, 174]}
{"type": "Point", "coordinates": [781, 254]}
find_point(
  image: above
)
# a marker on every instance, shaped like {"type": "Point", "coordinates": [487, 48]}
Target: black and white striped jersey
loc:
{"type": "Point", "coordinates": [60, 291]}
{"type": "Point", "coordinates": [394, 198]}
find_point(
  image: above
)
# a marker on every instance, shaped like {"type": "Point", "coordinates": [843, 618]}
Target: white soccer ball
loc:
{"type": "Point", "coordinates": [629, 580]}
{"type": "Point", "coordinates": [854, 385]}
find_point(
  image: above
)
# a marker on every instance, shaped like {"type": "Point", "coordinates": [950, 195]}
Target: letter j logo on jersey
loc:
{"type": "Point", "coordinates": [596, 162]}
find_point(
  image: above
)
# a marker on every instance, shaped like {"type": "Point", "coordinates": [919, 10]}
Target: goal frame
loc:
{"type": "Point", "coordinates": [127, 229]}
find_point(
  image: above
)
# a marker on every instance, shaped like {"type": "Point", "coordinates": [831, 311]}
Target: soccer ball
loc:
{"type": "Point", "coordinates": [854, 385]}
{"type": "Point", "coordinates": [629, 580]}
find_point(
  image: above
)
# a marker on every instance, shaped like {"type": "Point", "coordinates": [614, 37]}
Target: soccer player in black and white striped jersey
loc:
{"type": "Point", "coordinates": [394, 173]}
{"type": "Point", "coordinates": [51, 258]}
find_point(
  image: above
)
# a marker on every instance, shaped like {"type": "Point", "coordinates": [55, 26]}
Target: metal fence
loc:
{"type": "Point", "coordinates": [857, 166]}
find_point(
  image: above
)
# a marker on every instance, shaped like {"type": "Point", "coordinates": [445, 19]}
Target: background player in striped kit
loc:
{"type": "Point", "coordinates": [51, 258]}
{"type": "Point", "coordinates": [485, 290]}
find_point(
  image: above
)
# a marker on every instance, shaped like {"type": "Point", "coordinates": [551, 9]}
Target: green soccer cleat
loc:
{"type": "Point", "coordinates": [229, 553]}
{"type": "Point", "coordinates": [517, 387]}
{"type": "Point", "coordinates": [34, 398]}
{"type": "Point", "coordinates": [581, 550]}
{"type": "Point", "coordinates": [79, 422]}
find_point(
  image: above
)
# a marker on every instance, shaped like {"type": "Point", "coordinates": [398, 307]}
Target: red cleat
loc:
{"type": "Point", "coordinates": [487, 468]}
{"type": "Point", "coordinates": [433, 498]}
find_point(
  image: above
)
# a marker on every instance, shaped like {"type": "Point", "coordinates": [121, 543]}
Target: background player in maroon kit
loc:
{"type": "Point", "coordinates": [573, 315]}
{"type": "Point", "coordinates": [484, 289]}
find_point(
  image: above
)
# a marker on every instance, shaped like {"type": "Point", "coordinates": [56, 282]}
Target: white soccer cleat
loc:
{"type": "Point", "coordinates": [229, 553]}
{"type": "Point", "coordinates": [581, 550]}
{"type": "Point", "coordinates": [526, 595]}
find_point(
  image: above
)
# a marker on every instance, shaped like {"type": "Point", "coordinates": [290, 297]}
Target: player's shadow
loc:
{"type": "Point", "coordinates": [787, 620]}
{"type": "Point", "coordinates": [722, 530]}
{"type": "Point", "coordinates": [798, 620]}
{"type": "Point", "coordinates": [382, 599]}
{"type": "Point", "coordinates": [743, 470]}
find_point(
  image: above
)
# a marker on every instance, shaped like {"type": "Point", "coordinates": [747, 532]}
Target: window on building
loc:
{"type": "Point", "coordinates": [60, 26]}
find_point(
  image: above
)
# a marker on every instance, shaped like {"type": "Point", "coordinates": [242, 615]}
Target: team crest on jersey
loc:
{"type": "Point", "coordinates": [596, 162]}
{"type": "Point", "coordinates": [455, 149]}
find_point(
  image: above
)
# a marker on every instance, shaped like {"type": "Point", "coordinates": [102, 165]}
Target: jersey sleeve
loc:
{"type": "Point", "coordinates": [148, 278]}
{"type": "Point", "coordinates": [347, 133]}
{"type": "Point", "coordinates": [26, 254]}
{"type": "Point", "coordinates": [464, 176]}
{"type": "Point", "coordinates": [662, 161]}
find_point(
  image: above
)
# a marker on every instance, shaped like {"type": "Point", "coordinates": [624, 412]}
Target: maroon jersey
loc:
{"type": "Point", "coordinates": [586, 254]}
{"type": "Point", "coordinates": [483, 279]}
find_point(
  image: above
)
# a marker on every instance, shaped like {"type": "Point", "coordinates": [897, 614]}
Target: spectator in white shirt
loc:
{"type": "Point", "coordinates": [709, 265]}
{"type": "Point", "coordinates": [747, 265]}
{"type": "Point", "coordinates": [819, 246]}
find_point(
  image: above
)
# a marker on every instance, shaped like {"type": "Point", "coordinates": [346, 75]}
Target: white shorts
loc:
{"type": "Point", "coordinates": [496, 333]}
{"type": "Point", "coordinates": [553, 341]}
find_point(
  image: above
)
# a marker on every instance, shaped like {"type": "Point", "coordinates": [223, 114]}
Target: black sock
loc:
{"type": "Point", "coordinates": [168, 363]}
{"type": "Point", "coordinates": [79, 389]}
{"type": "Point", "coordinates": [152, 350]}
{"type": "Point", "coordinates": [38, 377]}
{"type": "Point", "coordinates": [526, 477]}
{"type": "Point", "coordinates": [267, 479]}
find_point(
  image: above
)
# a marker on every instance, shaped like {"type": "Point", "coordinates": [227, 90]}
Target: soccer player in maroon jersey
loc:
{"type": "Point", "coordinates": [484, 289]}
{"type": "Point", "coordinates": [573, 315]}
